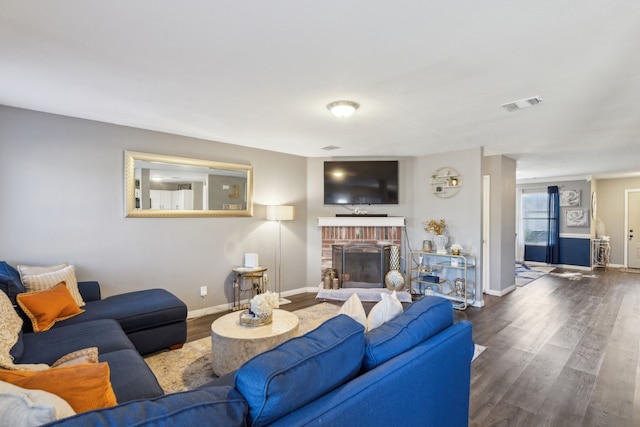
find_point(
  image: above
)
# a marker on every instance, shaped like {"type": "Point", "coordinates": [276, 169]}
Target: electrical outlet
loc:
{"type": "Point", "coordinates": [203, 291]}
{"type": "Point", "coordinates": [266, 278]}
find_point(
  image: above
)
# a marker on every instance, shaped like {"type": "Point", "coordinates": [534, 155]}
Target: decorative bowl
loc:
{"type": "Point", "coordinates": [252, 320]}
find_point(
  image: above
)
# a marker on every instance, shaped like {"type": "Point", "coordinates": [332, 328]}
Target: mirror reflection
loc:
{"type": "Point", "coordinates": [167, 186]}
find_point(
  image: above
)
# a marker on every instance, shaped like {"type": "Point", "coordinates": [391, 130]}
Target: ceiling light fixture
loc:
{"type": "Point", "coordinates": [343, 109]}
{"type": "Point", "coordinates": [522, 103]}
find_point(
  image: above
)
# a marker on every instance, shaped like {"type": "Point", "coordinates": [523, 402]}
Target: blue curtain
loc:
{"type": "Point", "coordinates": [553, 215]}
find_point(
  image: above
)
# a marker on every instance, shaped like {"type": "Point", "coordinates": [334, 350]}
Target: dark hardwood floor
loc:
{"type": "Point", "coordinates": [560, 352]}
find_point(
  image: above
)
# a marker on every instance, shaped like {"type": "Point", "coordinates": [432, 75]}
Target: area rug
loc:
{"type": "Point", "coordinates": [190, 367]}
{"type": "Point", "coordinates": [526, 274]}
{"type": "Point", "coordinates": [477, 351]}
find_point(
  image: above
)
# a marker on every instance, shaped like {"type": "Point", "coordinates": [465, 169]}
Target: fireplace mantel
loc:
{"type": "Point", "coordinates": [361, 221]}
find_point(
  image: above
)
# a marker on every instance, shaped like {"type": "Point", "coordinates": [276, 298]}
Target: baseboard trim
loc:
{"type": "Point", "coordinates": [192, 314]}
{"type": "Point", "coordinates": [501, 292]}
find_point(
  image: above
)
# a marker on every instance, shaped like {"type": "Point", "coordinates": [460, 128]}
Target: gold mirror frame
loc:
{"type": "Point", "coordinates": [131, 211]}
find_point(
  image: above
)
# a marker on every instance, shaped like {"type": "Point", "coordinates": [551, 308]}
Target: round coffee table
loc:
{"type": "Point", "coordinates": [233, 344]}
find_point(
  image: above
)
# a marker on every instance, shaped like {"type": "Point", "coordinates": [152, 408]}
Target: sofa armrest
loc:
{"type": "Point", "coordinates": [222, 406]}
{"type": "Point", "coordinates": [90, 291]}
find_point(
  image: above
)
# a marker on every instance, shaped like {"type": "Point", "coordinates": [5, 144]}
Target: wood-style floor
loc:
{"type": "Point", "coordinates": [560, 352]}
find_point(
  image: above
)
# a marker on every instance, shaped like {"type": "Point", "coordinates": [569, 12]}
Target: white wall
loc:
{"type": "Point", "coordinates": [62, 200]}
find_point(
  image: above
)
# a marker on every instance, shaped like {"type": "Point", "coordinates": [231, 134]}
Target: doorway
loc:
{"type": "Point", "coordinates": [632, 230]}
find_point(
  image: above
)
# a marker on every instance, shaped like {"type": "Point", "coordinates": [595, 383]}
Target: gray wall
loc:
{"type": "Point", "coordinates": [63, 201]}
{"type": "Point", "coordinates": [317, 208]}
{"type": "Point", "coordinates": [62, 193]}
{"type": "Point", "coordinates": [462, 213]}
{"type": "Point", "coordinates": [611, 211]}
{"type": "Point", "coordinates": [502, 239]}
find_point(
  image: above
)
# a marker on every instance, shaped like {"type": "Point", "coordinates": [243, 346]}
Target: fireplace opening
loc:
{"type": "Point", "coordinates": [361, 265]}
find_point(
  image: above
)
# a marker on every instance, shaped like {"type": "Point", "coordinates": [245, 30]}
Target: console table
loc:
{"type": "Point", "coordinates": [600, 252]}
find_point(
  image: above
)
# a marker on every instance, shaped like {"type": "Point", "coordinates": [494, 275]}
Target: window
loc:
{"type": "Point", "coordinates": [535, 218]}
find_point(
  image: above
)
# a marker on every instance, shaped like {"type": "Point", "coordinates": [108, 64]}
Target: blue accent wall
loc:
{"type": "Point", "coordinates": [572, 252]}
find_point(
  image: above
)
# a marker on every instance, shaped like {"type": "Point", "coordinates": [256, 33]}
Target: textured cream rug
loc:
{"type": "Point", "coordinates": [190, 366]}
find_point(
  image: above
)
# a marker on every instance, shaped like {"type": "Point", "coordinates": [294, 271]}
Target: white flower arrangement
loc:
{"type": "Point", "coordinates": [263, 304]}
{"type": "Point", "coordinates": [456, 249]}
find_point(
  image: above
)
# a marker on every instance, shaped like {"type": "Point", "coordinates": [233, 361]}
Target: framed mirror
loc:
{"type": "Point", "coordinates": [156, 185]}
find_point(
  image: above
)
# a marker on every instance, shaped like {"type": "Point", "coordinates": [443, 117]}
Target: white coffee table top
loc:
{"type": "Point", "coordinates": [229, 326]}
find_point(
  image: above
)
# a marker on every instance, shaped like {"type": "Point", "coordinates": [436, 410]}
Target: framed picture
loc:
{"type": "Point", "coordinates": [570, 198]}
{"type": "Point", "coordinates": [577, 218]}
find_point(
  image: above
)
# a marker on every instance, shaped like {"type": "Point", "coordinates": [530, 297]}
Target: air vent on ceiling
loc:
{"type": "Point", "coordinates": [330, 148]}
{"type": "Point", "coordinates": [522, 103]}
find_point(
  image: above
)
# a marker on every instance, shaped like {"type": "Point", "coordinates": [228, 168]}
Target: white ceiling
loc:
{"type": "Point", "coordinates": [430, 76]}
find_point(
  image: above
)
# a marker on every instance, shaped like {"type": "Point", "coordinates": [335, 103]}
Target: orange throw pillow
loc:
{"type": "Point", "coordinates": [45, 308]}
{"type": "Point", "coordinates": [85, 387]}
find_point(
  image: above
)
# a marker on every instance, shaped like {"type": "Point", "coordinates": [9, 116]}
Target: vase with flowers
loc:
{"type": "Point", "coordinates": [260, 310]}
{"type": "Point", "coordinates": [437, 228]}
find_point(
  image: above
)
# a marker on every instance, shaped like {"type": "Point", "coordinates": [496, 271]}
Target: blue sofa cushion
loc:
{"type": "Point", "coordinates": [49, 346]}
{"type": "Point", "coordinates": [134, 310]}
{"type": "Point", "coordinates": [421, 320]}
{"type": "Point", "coordinates": [131, 377]}
{"type": "Point", "coordinates": [10, 282]}
{"type": "Point", "coordinates": [300, 370]}
{"type": "Point", "coordinates": [18, 348]}
{"type": "Point", "coordinates": [221, 406]}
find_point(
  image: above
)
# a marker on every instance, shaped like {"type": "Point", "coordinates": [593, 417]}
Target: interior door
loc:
{"type": "Point", "coordinates": [633, 229]}
{"type": "Point", "coordinates": [486, 230]}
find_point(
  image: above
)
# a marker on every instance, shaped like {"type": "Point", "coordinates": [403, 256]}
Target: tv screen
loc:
{"type": "Point", "coordinates": [364, 182]}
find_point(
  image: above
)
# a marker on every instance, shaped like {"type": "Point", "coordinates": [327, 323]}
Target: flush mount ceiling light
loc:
{"type": "Point", "coordinates": [522, 103]}
{"type": "Point", "coordinates": [343, 109]}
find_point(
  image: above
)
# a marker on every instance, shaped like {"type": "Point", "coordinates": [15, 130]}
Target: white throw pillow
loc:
{"type": "Point", "coordinates": [32, 270]}
{"type": "Point", "coordinates": [387, 309]}
{"type": "Point", "coordinates": [46, 281]}
{"type": "Point", "coordinates": [21, 407]}
{"type": "Point", "coordinates": [354, 309]}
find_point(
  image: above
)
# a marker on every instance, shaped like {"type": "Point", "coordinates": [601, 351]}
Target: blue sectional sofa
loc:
{"type": "Point", "coordinates": [412, 371]}
{"type": "Point", "coordinates": [122, 327]}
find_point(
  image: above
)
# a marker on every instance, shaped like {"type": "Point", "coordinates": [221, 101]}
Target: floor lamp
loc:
{"type": "Point", "coordinates": [280, 213]}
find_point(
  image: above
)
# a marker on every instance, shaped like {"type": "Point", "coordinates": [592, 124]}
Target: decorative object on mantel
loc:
{"type": "Point", "coordinates": [394, 279]}
{"type": "Point", "coordinates": [446, 182]}
{"type": "Point", "coordinates": [261, 309]}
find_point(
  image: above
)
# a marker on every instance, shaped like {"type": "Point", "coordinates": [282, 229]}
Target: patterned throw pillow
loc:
{"type": "Point", "coordinates": [45, 308]}
{"type": "Point", "coordinates": [44, 281]}
{"type": "Point", "coordinates": [84, 387]}
{"type": "Point", "coordinates": [11, 327]}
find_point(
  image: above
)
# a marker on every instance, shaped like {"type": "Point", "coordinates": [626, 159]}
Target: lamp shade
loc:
{"type": "Point", "coordinates": [280, 213]}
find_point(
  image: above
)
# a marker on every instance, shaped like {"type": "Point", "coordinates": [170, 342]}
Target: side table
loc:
{"type": "Point", "coordinates": [232, 343]}
{"type": "Point", "coordinates": [248, 282]}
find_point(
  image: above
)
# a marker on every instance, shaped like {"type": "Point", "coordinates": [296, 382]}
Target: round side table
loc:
{"type": "Point", "coordinates": [233, 344]}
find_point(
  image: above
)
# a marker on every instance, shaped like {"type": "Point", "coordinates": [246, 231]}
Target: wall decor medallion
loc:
{"type": "Point", "coordinates": [445, 182]}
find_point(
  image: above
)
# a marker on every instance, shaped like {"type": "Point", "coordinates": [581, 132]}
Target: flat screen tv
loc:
{"type": "Point", "coordinates": [361, 182]}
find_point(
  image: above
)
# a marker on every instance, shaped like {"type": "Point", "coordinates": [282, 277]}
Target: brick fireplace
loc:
{"type": "Point", "coordinates": [357, 231]}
